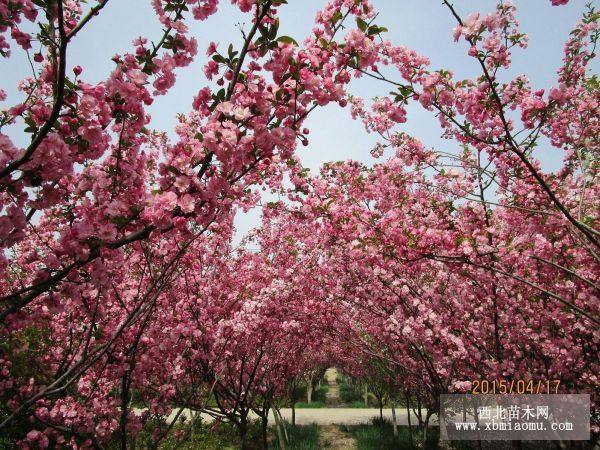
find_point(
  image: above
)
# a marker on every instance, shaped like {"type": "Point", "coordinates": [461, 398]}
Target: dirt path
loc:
{"type": "Point", "coordinates": [332, 438]}
{"type": "Point", "coordinates": [333, 394]}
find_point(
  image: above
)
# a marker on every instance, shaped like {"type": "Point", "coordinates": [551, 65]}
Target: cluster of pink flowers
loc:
{"type": "Point", "coordinates": [11, 14]}
{"type": "Point", "coordinates": [96, 191]}
{"type": "Point", "coordinates": [492, 36]}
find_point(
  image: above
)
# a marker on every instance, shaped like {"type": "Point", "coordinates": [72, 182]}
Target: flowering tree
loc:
{"type": "Point", "coordinates": [476, 264]}
{"type": "Point", "coordinates": [123, 301]}
{"type": "Point", "coordinates": [96, 190]}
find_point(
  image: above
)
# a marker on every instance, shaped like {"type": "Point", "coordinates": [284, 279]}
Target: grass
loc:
{"type": "Point", "coordinates": [225, 437]}
{"type": "Point", "coordinates": [206, 437]}
{"type": "Point", "coordinates": [380, 436]}
{"type": "Point", "coordinates": [369, 437]}
{"type": "Point", "coordinates": [350, 396]}
{"type": "Point", "coordinates": [357, 404]}
{"type": "Point", "coordinates": [302, 437]}
{"type": "Point", "coordinates": [318, 398]}
{"type": "Point", "coordinates": [318, 404]}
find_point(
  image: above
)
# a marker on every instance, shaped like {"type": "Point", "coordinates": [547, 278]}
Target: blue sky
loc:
{"type": "Point", "coordinates": [424, 25]}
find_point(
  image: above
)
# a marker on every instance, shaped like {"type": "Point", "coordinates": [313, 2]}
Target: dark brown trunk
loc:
{"type": "Point", "coordinates": [265, 429]}
{"type": "Point", "coordinates": [243, 432]}
{"type": "Point", "coordinates": [394, 421]}
{"type": "Point", "coordinates": [410, 434]}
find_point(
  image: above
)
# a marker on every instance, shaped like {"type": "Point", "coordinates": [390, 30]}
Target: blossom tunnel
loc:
{"type": "Point", "coordinates": [125, 300]}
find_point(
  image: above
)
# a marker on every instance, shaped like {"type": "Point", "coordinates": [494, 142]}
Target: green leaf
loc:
{"type": "Point", "coordinates": [337, 16]}
{"type": "Point", "coordinates": [219, 58]}
{"type": "Point", "coordinates": [120, 220]}
{"type": "Point", "coordinates": [70, 84]}
{"type": "Point", "coordinates": [273, 30]}
{"type": "Point", "coordinates": [374, 29]}
{"type": "Point", "coordinates": [362, 25]}
{"type": "Point", "coordinates": [31, 125]}
{"type": "Point", "coordinates": [287, 40]}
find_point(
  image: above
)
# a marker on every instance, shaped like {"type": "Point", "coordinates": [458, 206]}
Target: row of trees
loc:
{"type": "Point", "coordinates": [123, 300]}
{"type": "Point", "coordinates": [454, 267]}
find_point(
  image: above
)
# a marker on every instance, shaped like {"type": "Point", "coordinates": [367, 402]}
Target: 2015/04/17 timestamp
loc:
{"type": "Point", "coordinates": [515, 387]}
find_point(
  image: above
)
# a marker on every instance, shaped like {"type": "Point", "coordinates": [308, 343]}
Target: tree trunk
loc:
{"type": "Point", "coordinates": [309, 390]}
{"type": "Point", "coordinates": [366, 395]}
{"type": "Point", "coordinates": [287, 438]}
{"type": "Point", "coordinates": [193, 417]}
{"type": "Point", "coordinates": [293, 414]}
{"type": "Point", "coordinates": [410, 434]}
{"type": "Point", "coordinates": [425, 431]}
{"type": "Point", "coordinates": [265, 429]}
{"type": "Point", "coordinates": [426, 427]}
{"type": "Point", "coordinates": [278, 426]}
{"type": "Point", "coordinates": [394, 421]}
{"type": "Point", "coordinates": [124, 409]}
{"type": "Point", "coordinates": [243, 431]}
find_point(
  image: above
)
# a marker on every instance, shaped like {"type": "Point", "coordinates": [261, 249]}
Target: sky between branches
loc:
{"type": "Point", "coordinates": [424, 25]}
